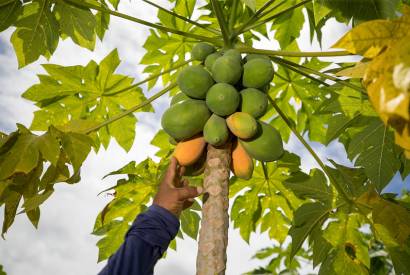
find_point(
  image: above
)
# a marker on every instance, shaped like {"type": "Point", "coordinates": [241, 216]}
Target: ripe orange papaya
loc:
{"type": "Point", "coordinates": [242, 163]}
{"type": "Point", "coordinates": [242, 125]}
{"type": "Point", "coordinates": [188, 151]}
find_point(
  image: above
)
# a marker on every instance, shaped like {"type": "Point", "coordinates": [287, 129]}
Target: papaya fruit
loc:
{"type": "Point", "coordinates": [253, 102]}
{"type": "Point", "coordinates": [195, 81]}
{"type": "Point", "coordinates": [201, 50]}
{"type": "Point", "coordinates": [242, 163]}
{"type": "Point", "coordinates": [222, 99]}
{"type": "Point", "coordinates": [179, 97]}
{"type": "Point", "coordinates": [251, 56]}
{"type": "Point", "coordinates": [242, 125]}
{"type": "Point", "coordinates": [185, 119]}
{"type": "Point", "coordinates": [257, 73]}
{"type": "Point", "coordinates": [215, 130]}
{"type": "Point", "coordinates": [210, 60]}
{"type": "Point", "coordinates": [188, 151]}
{"type": "Point", "coordinates": [266, 145]}
{"type": "Point", "coordinates": [197, 168]}
{"type": "Point", "coordinates": [227, 69]}
{"type": "Point", "coordinates": [234, 54]}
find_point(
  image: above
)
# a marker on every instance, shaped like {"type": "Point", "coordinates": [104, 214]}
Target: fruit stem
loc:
{"type": "Point", "coordinates": [214, 31]}
{"type": "Point", "coordinates": [293, 54]}
{"type": "Point", "coordinates": [131, 110]}
{"type": "Point", "coordinates": [290, 124]}
{"type": "Point", "coordinates": [87, 5]}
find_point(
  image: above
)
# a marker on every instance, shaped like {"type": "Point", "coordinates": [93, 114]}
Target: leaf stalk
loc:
{"type": "Point", "coordinates": [310, 149]}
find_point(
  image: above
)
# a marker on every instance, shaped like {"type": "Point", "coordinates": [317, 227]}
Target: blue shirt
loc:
{"type": "Point", "coordinates": [145, 242]}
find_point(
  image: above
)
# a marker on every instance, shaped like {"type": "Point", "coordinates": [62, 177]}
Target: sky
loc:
{"type": "Point", "coordinates": [63, 243]}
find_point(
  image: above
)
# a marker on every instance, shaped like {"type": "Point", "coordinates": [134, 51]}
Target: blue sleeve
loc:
{"type": "Point", "coordinates": [145, 242]}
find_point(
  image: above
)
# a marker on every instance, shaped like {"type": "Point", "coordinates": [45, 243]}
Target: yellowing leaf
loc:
{"type": "Point", "coordinates": [387, 75]}
{"type": "Point", "coordinates": [357, 71]}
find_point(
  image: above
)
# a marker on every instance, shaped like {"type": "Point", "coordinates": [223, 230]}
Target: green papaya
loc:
{"type": "Point", "coordinates": [257, 73]}
{"type": "Point", "coordinates": [179, 97]}
{"type": "Point", "coordinates": [195, 81]}
{"type": "Point", "coordinates": [215, 130]}
{"type": "Point", "coordinates": [222, 99]}
{"type": "Point", "coordinates": [254, 102]}
{"type": "Point", "coordinates": [266, 145]}
{"type": "Point", "coordinates": [227, 69]}
{"type": "Point", "coordinates": [210, 60]}
{"type": "Point", "coordinates": [201, 50]}
{"type": "Point", "coordinates": [186, 119]}
{"type": "Point", "coordinates": [234, 54]}
{"type": "Point", "coordinates": [242, 125]}
{"type": "Point", "coordinates": [251, 56]}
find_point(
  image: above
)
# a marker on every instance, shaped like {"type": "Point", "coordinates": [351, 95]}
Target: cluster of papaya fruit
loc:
{"type": "Point", "coordinates": [221, 100]}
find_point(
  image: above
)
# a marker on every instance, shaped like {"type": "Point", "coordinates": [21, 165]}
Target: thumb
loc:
{"type": "Point", "coordinates": [189, 192]}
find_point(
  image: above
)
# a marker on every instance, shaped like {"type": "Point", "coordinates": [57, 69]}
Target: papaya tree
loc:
{"type": "Point", "coordinates": [233, 107]}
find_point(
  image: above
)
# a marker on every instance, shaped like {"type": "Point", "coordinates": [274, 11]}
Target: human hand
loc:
{"type": "Point", "coordinates": [174, 194]}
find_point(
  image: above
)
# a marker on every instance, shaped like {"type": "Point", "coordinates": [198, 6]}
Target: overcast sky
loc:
{"type": "Point", "coordinates": [63, 244]}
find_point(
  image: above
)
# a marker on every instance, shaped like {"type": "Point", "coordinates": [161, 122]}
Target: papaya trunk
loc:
{"type": "Point", "coordinates": [213, 235]}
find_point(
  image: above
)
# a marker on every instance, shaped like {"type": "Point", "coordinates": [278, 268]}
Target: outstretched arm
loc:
{"type": "Point", "coordinates": [152, 231]}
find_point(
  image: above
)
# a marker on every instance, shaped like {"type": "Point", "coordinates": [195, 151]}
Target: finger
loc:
{"type": "Point", "coordinates": [189, 192]}
{"type": "Point", "coordinates": [185, 182]}
{"type": "Point", "coordinates": [177, 181]}
{"type": "Point", "coordinates": [171, 171]}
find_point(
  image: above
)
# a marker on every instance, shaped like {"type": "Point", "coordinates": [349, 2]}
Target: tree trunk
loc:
{"type": "Point", "coordinates": [213, 235]}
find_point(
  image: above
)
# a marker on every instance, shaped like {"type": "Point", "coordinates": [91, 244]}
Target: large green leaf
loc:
{"type": "Point", "coordinates": [40, 24]}
{"type": "Point", "coordinates": [23, 159]}
{"type": "Point", "coordinates": [267, 202]}
{"type": "Point", "coordinates": [9, 11]}
{"type": "Point", "coordinates": [345, 236]}
{"type": "Point", "coordinates": [36, 33]}
{"type": "Point", "coordinates": [93, 93]}
{"type": "Point", "coordinates": [314, 187]}
{"type": "Point", "coordinates": [167, 50]}
{"type": "Point", "coordinates": [374, 149]}
{"type": "Point", "coordinates": [306, 218]}
{"type": "Point", "coordinates": [359, 10]}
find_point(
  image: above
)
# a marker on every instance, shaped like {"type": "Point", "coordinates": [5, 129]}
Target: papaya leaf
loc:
{"type": "Point", "coordinates": [345, 236]}
{"type": "Point", "coordinates": [314, 186]}
{"type": "Point", "coordinates": [374, 150]}
{"type": "Point", "coordinates": [167, 50]}
{"type": "Point", "coordinates": [306, 218]}
{"type": "Point", "coordinates": [24, 178]}
{"type": "Point", "coordinates": [2, 272]}
{"type": "Point", "coordinates": [78, 24]}
{"type": "Point", "coordinates": [358, 10]}
{"type": "Point", "coordinates": [386, 43]}
{"type": "Point", "coordinates": [40, 24]}
{"type": "Point", "coordinates": [161, 141]}
{"type": "Point", "coordinates": [90, 94]}
{"type": "Point", "coordinates": [288, 26]}
{"type": "Point", "coordinates": [9, 11]}
{"type": "Point", "coordinates": [267, 202]}
{"type": "Point", "coordinates": [190, 222]}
